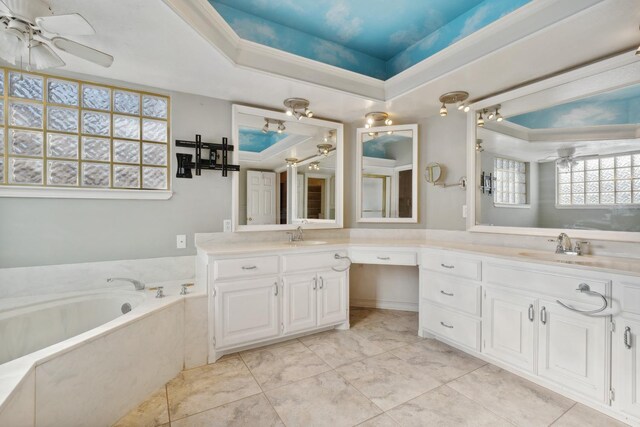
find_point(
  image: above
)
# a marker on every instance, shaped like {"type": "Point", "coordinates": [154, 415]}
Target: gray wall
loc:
{"type": "Point", "coordinates": [60, 231]}
{"type": "Point", "coordinates": [440, 139]}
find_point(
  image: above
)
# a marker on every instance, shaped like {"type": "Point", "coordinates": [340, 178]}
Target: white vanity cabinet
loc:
{"type": "Point", "coordinates": [626, 348]}
{"type": "Point", "coordinates": [246, 311]}
{"type": "Point", "coordinates": [508, 327]}
{"type": "Point", "coordinates": [314, 300]}
{"type": "Point", "coordinates": [262, 299]}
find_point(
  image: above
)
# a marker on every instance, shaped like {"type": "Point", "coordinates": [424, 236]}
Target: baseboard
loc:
{"type": "Point", "coordinates": [389, 305]}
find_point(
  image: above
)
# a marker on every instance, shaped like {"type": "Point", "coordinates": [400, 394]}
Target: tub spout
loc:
{"type": "Point", "coordinates": [138, 284]}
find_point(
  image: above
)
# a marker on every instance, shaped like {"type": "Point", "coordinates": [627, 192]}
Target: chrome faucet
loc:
{"type": "Point", "coordinates": [296, 236]}
{"type": "Point", "coordinates": [564, 246]}
{"type": "Point", "coordinates": [138, 284]}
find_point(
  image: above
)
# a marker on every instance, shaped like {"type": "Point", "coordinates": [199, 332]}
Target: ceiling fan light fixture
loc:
{"type": "Point", "coordinates": [9, 47]}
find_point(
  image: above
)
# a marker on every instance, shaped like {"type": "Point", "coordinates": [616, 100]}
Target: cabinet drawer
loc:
{"type": "Point", "coordinates": [383, 256]}
{"type": "Point", "coordinates": [312, 261]}
{"type": "Point", "coordinates": [452, 292]}
{"type": "Point", "coordinates": [452, 264]}
{"type": "Point", "coordinates": [244, 267]}
{"type": "Point", "coordinates": [558, 285]}
{"type": "Point", "coordinates": [456, 327]}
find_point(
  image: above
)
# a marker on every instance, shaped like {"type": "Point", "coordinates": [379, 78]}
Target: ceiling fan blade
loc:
{"type": "Point", "coordinates": [82, 51]}
{"type": "Point", "coordinates": [72, 24]}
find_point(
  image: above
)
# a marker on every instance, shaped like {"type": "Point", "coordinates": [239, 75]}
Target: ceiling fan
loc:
{"type": "Point", "coordinates": [29, 31]}
{"type": "Point", "coordinates": [565, 159]}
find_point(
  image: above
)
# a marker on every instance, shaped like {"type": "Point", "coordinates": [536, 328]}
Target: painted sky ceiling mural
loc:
{"type": "Point", "coordinates": [375, 38]}
{"type": "Point", "coordinates": [618, 107]}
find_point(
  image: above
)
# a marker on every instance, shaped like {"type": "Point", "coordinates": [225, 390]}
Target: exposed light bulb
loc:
{"type": "Point", "coordinates": [388, 122]}
{"type": "Point", "coordinates": [499, 117]}
{"type": "Point", "coordinates": [443, 110]}
{"type": "Point", "coordinates": [289, 111]}
{"type": "Point", "coordinates": [480, 121]}
{"type": "Point", "coordinates": [390, 132]}
{"type": "Point", "coordinates": [367, 125]}
{"type": "Point", "coordinates": [308, 113]}
{"type": "Point", "coordinates": [491, 116]}
{"type": "Point", "coordinates": [467, 108]}
{"type": "Point", "coordinates": [370, 121]}
{"type": "Point", "coordinates": [460, 106]}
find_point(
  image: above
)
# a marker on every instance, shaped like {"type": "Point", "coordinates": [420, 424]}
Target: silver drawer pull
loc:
{"type": "Point", "coordinates": [447, 266]}
{"type": "Point", "coordinates": [543, 315]}
{"type": "Point", "coordinates": [275, 292]}
{"type": "Point", "coordinates": [531, 312]}
{"type": "Point", "coordinates": [249, 267]}
{"type": "Point", "coordinates": [446, 326]}
{"type": "Point", "coordinates": [446, 293]}
{"type": "Point", "coordinates": [627, 337]}
{"type": "Point", "coordinates": [384, 258]}
{"type": "Point", "coordinates": [585, 289]}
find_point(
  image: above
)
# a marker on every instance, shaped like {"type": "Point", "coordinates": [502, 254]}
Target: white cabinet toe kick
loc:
{"type": "Point", "coordinates": [573, 330]}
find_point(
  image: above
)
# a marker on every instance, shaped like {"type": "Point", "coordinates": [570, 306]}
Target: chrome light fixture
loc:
{"type": "Point", "coordinates": [377, 117]}
{"type": "Point", "coordinates": [324, 149]}
{"type": "Point", "coordinates": [480, 121]}
{"type": "Point", "coordinates": [297, 107]}
{"type": "Point", "coordinates": [456, 97]}
{"type": "Point", "coordinates": [314, 166]}
{"type": "Point", "coordinates": [291, 161]}
{"type": "Point", "coordinates": [280, 127]}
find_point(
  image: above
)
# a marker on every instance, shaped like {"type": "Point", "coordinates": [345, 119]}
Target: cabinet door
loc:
{"type": "Point", "coordinates": [333, 298]}
{"type": "Point", "coordinates": [627, 371]}
{"type": "Point", "coordinates": [572, 349]}
{"type": "Point", "coordinates": [299, 299]}
{"type": "Point", "coordinates": [508, 328]}
{"type": "Point", "coordinates": [246, 311]}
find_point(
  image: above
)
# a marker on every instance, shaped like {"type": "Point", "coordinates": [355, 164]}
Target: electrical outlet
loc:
{"type": "Point", "coordinates": [226, 226]}
{"type": "Point", "coordinates": [181, 241]}
{"type": "Point", "coordinates": [464, 211]}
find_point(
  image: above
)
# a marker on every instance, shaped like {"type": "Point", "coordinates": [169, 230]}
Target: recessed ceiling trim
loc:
{"type": "Point", "coordinates": [518, 25]}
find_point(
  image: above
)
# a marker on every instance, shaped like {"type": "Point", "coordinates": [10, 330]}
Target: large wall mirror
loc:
{"type": "Point", "coordinates": [290, 171]}
{"type": "Point", "coordinates": [387, 170]}
{"type": "Point", "coordinates": [566, 158]}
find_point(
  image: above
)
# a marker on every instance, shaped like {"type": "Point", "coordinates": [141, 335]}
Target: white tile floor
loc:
{"type": "Point", "coordinates": [378, 373]}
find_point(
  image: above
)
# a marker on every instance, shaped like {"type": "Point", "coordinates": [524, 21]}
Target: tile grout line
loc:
{"type": "Point", "coordinates": [563, 414]}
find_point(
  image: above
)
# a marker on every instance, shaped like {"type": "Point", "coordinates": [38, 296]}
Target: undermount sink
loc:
{"type": "Point", "coordinates": [569, 259]}
{"type": "Point", "coordinates": [307, 243]}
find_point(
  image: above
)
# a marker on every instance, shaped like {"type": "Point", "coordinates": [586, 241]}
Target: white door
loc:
{"type": "Point", "coordinates": [572, 349]}
{"type": "Point", "coordinates": [299, 299]}
{"type": "Point", "coordinates": [333, 297]}
{"type": "Point", "coordinates": [508, 327]}
{"type": "Point", "coordinates": [246, 311]}
{"type": "Point", "coordinates": [627, 370]}
{"type": "Point", "coordinates": [261, 198]}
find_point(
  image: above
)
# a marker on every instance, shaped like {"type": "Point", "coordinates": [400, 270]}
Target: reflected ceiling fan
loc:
{"type": "Point", "coordinates": [29, 32]}
{"type": "Point", "coordinates": [565, 159]}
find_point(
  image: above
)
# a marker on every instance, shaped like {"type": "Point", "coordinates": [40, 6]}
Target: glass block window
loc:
{"type": "Point", "coordinates": [510, 182]}
{"type": "Point", "coordinates": [600, 181]}
{"type": "Point", "coordinates": [57, 132]}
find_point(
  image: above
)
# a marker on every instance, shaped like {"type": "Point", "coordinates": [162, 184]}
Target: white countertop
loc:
{"type": "Point", "coordinates": [616, 265]}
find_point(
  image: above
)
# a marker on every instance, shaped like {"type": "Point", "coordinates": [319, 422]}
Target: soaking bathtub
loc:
{"type": "Point", "coordinates": [41, 323]}
{"type": "Point", "coordinates": [86, 358]}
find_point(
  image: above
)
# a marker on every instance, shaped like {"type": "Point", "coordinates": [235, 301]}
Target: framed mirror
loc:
{"type": "Point", "coordinates": [291, 171]}
{"type": "Point", "coordinates": [387, 174]}
{"type": "Point", "coordinates": [566, 158]}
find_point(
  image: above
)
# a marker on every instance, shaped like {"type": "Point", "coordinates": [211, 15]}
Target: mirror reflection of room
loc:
{"type": "Point", "coordinates": [573, 166]}
{"type": "Point", "coordinates": [288, 171]}
{"type": "Point", "coordinates": [387, 174]}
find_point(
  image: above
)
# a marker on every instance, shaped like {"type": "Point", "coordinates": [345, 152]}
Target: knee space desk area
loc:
{"type": "Point", "coordinates": [567, 324]}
